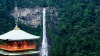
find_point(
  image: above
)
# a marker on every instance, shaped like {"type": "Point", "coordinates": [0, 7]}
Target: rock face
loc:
{"type": "Point", "coordinates": [29, 16]}
{"type": "Point", "coordinates": [52, 19]}
{"type": "Point", "coordinates": [33, 16]}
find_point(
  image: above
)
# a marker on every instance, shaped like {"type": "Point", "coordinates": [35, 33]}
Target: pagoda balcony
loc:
{"type": "Point", "coordinates": [17, 46]}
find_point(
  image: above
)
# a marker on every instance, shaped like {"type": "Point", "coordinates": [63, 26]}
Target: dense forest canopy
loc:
{"type": "Point", "coordinates": [76, 34]}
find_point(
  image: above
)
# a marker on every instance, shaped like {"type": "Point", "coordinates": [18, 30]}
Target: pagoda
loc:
{"type": "Point", "coordinates": [18, 42]}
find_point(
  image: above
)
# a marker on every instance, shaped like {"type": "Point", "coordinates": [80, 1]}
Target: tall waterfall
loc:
{"type": "Point", "coordinates": [44, 48]}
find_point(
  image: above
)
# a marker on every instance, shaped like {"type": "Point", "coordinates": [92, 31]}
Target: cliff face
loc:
{"type": "Point", "coordinates": [33, 16]}
{"type": "Point", "coordinates": [29, 16]}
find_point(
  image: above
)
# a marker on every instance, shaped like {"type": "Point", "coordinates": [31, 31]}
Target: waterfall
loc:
{"type": "Point", "coordinates": [44, 47]}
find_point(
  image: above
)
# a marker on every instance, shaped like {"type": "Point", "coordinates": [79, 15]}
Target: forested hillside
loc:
{"type": "Point", "coordinates": [77, 33]}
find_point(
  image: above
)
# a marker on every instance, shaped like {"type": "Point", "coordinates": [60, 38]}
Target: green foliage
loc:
{"type": "Point", "coordinates": [78, 30]}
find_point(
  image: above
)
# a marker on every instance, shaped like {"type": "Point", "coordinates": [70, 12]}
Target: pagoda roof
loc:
{"type": "Point", "coordinates": [18, 53]}
{"type": "Point", "coordinates": [18, 34]}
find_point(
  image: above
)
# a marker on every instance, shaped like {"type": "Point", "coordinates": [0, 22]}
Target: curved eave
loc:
{"type": "Point", "coordinates": [18, 53]}
{"type": "Point", "coordinates": [17, 39]}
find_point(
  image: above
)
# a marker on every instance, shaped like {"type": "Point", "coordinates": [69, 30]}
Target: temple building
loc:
{"type": "Point", "coordinates": [18, 42]}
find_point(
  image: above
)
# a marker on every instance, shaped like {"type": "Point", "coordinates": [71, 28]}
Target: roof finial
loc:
{"type": "Point", "coordinates": [16, 12]}
{"type": "Point", "coordinates": [16, 17]}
